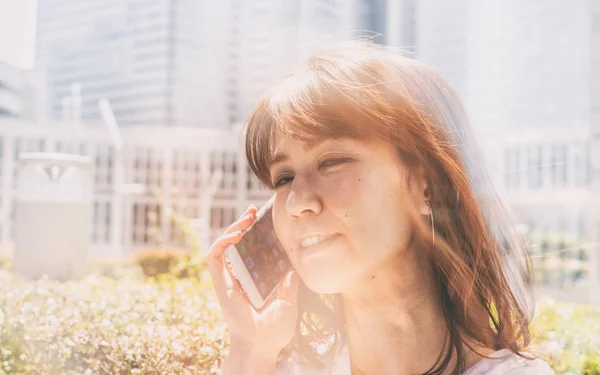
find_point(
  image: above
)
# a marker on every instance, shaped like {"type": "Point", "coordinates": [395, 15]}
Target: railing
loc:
{"type": "Point", "coordinates": [545, 177]}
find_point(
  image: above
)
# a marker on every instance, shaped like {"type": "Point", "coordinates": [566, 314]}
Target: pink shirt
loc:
{"type": "Point", "coordinates": [499, 363]}
{"type": "Point", "coordinates": [506, 362]}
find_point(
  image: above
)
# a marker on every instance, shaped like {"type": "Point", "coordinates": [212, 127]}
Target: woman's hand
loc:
{"type": "Point", "coordinates": [253, 334]}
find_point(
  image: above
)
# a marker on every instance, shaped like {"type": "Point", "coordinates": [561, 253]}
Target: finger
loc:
{"type": "Point", "coordinates": [228, 278]}
{"type": "Point", "coordinates": [244, 221]}
{"type": "Point", "coordinates": [228, 291]}
{"type": "Point", "coordinates": [221, 243]}
{"type": "Point", "coordinates": [242, 224]}
{"type": "Point", "coordinates": [223, 280]}
{"type": "Point", "coordinates": [216, 263]}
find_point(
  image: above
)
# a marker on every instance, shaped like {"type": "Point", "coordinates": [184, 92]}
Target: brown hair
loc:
{"type": "Point", "coordinates": [358, 90]}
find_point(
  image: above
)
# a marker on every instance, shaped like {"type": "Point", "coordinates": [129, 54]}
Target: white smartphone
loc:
{"type": "Point", "coordinates": [258, 261]}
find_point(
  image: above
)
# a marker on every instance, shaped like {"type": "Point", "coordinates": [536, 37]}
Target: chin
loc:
{"type": "Point", "coordinates": [326, 271]}
{"type": "Point", "coordinates": [323, 282]}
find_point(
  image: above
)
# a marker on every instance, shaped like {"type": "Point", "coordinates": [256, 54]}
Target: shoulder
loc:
{"type": "Point", "coordinates": [529, 367]}
{"type": "Point", "coordinates": [293, 365]}
{"type": "Point", "coordinates": [502, 362]}
{"type": "Point", "coordinates": [505, 362]}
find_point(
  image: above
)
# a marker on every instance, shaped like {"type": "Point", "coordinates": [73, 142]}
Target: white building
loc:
{"type": "Point", "coordinates": [528, 74]}
{"type": "Point", "coordinates": [529, 70]}
{"type": "Point", "coordinates": [523, 71]}
{"type": "Point", "coordinates": [594, 218]}
{"type": "Point", "coordinates": [22, 93]}
{"type": "Point", "coordinates": [158, 62]}
{"type": "Point", "coordinates": [164, 169]}
{"type": "Point", "coordinates": [545, 177]}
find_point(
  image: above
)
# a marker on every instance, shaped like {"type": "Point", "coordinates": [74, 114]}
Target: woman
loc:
{"type": "Point", "coordinates": [404, 259]}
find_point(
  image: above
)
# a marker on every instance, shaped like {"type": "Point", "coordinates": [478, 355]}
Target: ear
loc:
{"type": "Point", "coordinates": [420, 190]}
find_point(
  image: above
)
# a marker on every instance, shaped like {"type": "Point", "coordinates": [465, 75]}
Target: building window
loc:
{"type": "Point", "coordinates": [534, 166]}
{"type": "Point", "coordinates": [581, 154]}
{"type": "Point", "coordinates": [559, 166]}
{"type": "Point", "coordinates": [512, 159]}
{"type": "Point", "coordinates": [7, 87]}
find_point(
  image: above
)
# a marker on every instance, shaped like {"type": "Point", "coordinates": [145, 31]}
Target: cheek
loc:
{"type": "Point", "coordinates": [395, 229]}
{"type": "Point", "coordinates": [377, 216]}
{"type": "Point", "coordinates": [345, 189]}
{"type": "Point", "coordinates": [284, 228]}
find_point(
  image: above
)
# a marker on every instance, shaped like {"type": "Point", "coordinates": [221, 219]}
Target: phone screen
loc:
{"type": "Point", "coordinates": [263, 254]}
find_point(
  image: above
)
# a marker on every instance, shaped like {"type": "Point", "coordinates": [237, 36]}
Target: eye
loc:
{"type": "Point", "coordinates": [333, 162]}
{"type": "Point", "coordinates": [282, 180]}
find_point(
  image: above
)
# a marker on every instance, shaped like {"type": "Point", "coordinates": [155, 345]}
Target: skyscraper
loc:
{"type": "Point", "coordinates": [184, 62]}
{"type": "Point", "coordinates": [267, 37]}
{"type": "Point", "coordinates": [158, 62]}
{"type": "Point", "coordinates": [515, 64]}
{"type": "Point", "coordinates": [22, 93]}
{"type": "Point", "coordinates": [371, 17]}
{"type": "Point", "coordinates": [10, 98]}
{"type": "Point", "coordinates": [441, 39]}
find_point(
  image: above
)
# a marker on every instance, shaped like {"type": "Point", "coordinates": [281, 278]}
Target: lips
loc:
{"type": "Point", "coordinates": [314, 239]}
{"type": "Point", "coordinates": [315, 243]}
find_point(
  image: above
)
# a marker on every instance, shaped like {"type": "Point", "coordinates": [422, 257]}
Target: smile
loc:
{"type": "Point", "coordinates": [315, 239]}
{"type": "Point", "coordinates": [316, 243]}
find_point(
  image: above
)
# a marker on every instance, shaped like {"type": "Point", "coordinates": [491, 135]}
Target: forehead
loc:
{"type": "Point", "coordinates": [283, 143]}
{"type": "Point", "coordinates": [287, 147]}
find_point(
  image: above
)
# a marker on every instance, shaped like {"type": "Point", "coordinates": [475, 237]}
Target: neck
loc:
{"type": "Point", "coordinates": [394, 318]}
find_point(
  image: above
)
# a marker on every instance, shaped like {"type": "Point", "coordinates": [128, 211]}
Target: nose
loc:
{"type": "Point", "coordinates": [303, 199]}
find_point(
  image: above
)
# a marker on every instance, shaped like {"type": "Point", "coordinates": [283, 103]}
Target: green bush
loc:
{"type": "Point", "coordinates": [176, 263]}
{"type": "Point", "coordinates": [568, 336]}
{"type": "Point", "coordinates": [166, 262]}
{"type": "Point", "coordinates": [170, 325]}
{"type": "Point", "coordinates": [104, 326]}
{"type": "Point", "coordinates": [158, 262]}
{"type": "Point", "coordinates": [113, 267]}
{"type": "Point", "coordinates": [591, 366]}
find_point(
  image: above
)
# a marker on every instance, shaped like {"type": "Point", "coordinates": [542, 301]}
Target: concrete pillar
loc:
{"type": "Point", "coordinates": [8, 167]}
{"type": "Point", "coordinates": [241, 194]}
{"type": "Point", "coordinates": [594, 202]}
{"type": "Point", "coordinates": [116, 223]}
{"type": "Point", "coordinates": [166, 196]}
{"type": "Point", "coordinates": [53, 204]}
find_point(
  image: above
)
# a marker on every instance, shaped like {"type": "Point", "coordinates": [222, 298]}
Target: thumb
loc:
{"type": "Point", "coordinates": [288, 290]}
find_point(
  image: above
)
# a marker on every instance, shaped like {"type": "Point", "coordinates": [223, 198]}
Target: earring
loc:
{"type": "Point", "coordinates": [432, 224]}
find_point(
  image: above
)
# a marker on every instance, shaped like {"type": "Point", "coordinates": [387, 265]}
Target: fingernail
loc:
{"type": "Point", "coordinates": [288, 279]}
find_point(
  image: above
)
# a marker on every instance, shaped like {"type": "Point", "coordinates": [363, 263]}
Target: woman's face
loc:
{"type": "Point", "coordinates": [340, 209]}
